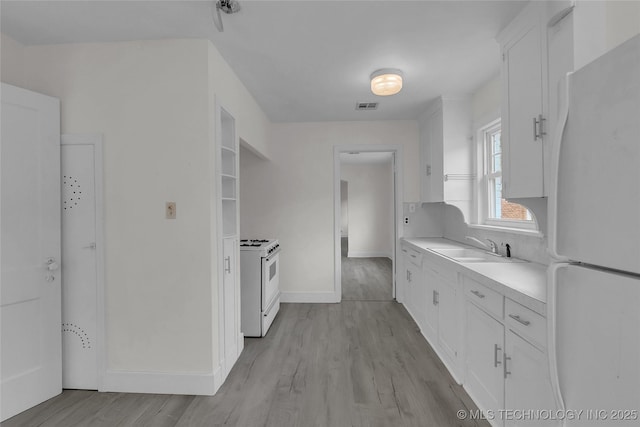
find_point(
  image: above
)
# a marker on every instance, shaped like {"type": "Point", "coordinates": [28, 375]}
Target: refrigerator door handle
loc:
{"type": "Point", "coordinates": [555, 164]}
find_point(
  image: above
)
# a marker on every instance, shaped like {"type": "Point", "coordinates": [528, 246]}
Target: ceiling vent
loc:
{"type": "Point", "coordinates": [366, 106]}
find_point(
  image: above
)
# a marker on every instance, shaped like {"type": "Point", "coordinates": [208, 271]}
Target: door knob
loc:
{"type": "Point", "coordinates": [52, 265]}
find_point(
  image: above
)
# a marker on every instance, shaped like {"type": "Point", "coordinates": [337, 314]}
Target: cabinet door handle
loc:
{"type": "Point", "coordinates": [518, 319]}
{"type": "Point", "coordinates": [538, 128]}
{"type": "Point", "coordinates": [504, 365]}
{"type": "Point", "coordinates": [478, 294]}
{"type": "Point", "coordinates": [227, 260]}
{"type": "Point", "coordinates": [428, 170]}
{"type": "Point", "coordinates": [409, 275]}
{"type": "Point", "coordinates": [413, 256]}
{"type": "Point", "coordinates": [541, 121]}
{"type": "Point", "coordinates": [436, 298]}
{"type": "Point", "coordinates": [496, 349]}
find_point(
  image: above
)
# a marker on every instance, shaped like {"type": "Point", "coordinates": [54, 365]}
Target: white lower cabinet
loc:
{"type": "Point", "coordinates": [484, 379]}
{"type": "Point", "coordinates": [413, 284]}
{"type": "Point", "coordinates": [506, 364]}
{"type": "Point", "coordinates": [442, 317]}
{"type": "Point", "coordinates": [528, 392]}
{"type": "Point", "coordinates": [492, 345]}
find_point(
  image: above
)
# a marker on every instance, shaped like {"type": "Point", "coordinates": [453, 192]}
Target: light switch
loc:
{"type": "Point", "coordinates": [171, 210]}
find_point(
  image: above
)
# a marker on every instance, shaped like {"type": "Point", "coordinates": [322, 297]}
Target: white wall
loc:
{"type": "Point", "coordinates": [344, 208]}
{"type": "Point", "coordinates": [623, 21]}
{"type": "Point", "coordinates": [153, 102]}
{"type": "Point", "coordinates": [225, 87]}
{"type": "Point", "coordinates": [11, 61]}
{"type": "Point", "coordinates": [371, 225]}
{"type": "Point", "coordinates": [150, 102]}
{"type": "Point", "coordinates": [290, 197]}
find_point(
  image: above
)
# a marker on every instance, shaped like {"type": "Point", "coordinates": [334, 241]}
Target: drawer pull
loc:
{"type": "Point", "coordinates": [519, 320]}
{"type": "Point", "coordinates": [478, 294]}
{"type": "Point", "coordinates": [413, 256]}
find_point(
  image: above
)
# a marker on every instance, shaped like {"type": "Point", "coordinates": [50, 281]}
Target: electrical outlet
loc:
{"type": "Point", "coordinates": [406, 220]}
{"type": "Point", "coordinates": [170, 211]}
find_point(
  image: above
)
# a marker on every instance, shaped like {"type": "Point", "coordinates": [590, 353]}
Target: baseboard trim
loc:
{"type": "Point", "coordinates": [309, 297]}
{"type": "Point", "coordinates": [354, 254]}
{"type": "Point", "coordinates": [161, 382]}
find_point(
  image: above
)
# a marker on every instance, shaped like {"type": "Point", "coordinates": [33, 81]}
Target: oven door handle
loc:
{"type": "Point", "coordinates": [272, 254]}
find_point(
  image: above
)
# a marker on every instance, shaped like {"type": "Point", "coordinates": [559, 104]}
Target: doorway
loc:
{"type": "Point", "coordinates": [366, 221]}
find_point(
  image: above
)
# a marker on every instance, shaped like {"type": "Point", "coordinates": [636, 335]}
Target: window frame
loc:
{"type": "Point", "coordinates": [485, 178]}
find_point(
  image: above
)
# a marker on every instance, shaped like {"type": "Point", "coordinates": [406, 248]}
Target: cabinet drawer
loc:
{"type": "Point", "coordinates": [484, 297]}
{"type": "Point", "coordinates": [413, 256]}
{"type": "Point", "coordinates": [441, 269]}
{"type": "Point", "coordinates": [527, 323]}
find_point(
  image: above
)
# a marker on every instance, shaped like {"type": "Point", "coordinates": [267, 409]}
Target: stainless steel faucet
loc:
{"type": "Point", "coordinates": [492, 246]}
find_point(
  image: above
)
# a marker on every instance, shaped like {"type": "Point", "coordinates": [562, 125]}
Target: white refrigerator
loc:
{"type": "Point", "coordinates": [594, 238]}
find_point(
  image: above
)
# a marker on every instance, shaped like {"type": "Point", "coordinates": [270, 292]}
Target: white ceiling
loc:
{"type": "Point", "coordinates": [302, 60]}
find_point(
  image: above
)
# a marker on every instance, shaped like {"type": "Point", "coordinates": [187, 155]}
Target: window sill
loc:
{"type": "Point", "coordinates": [525, 232]}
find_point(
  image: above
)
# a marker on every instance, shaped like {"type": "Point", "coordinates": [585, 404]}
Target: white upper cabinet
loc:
{"type": "Point", "coordinates": [445, 153]}
{"type": "Point", "coordinates": [524, 103]}
{"type": "Point", "coordinates": [539, 47]}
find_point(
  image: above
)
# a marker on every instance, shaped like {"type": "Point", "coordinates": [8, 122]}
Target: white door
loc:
{"type": "Point", "coordinates": [527, 384]}
{"type": "Point", "coordinates": [230, 302]}
{"type": "Point", "coordinates": [79, 251]}
{"type": "Point", "coordinates": [31, 366]}
{"type": "Point", "coordinates": [484, 379]}
{"type": "Point", "coordinates": [524, 103]}
{"type": "Point", "coordinates": [598, 202]}
{"type": "Point", "coordinates": [448, 315]}
{"type": "Point", "coordinates": [597, 340]}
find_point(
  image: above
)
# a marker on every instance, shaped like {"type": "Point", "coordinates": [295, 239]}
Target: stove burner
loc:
{"type": "Point", "coordinates": [255, 245]}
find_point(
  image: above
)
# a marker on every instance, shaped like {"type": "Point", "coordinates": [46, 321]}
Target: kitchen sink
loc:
{"type": "Point", "coordinates": [473, 255]}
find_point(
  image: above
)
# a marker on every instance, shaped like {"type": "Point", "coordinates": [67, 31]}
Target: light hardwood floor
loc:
{"type": "Point", "coordinates": [327, 365]}
{"type": "Point", "coordinates": [365, 279]}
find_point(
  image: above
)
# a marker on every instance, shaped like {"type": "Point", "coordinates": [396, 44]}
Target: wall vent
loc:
{"type": "Point", "coordinates": [366, 106]}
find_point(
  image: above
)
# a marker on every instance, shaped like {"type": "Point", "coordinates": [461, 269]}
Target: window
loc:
{"type": "Point", "coordinates": [493, 209]}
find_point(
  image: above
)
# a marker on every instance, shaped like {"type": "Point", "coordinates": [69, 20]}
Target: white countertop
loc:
{"type": "Point", "coordinates": [522, 282]}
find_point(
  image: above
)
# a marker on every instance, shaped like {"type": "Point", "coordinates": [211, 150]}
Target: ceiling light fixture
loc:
{"type": "Point", "coordinates": [387, 81]}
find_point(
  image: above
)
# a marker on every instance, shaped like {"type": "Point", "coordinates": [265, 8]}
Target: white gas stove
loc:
{"type": "Point", "coordinates": [260, 285]}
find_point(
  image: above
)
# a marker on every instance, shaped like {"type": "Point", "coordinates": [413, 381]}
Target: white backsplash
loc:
{"type": "Point", "coordinates": [441, 220]}
{"type": "Point", "coordinates": [426, 221]}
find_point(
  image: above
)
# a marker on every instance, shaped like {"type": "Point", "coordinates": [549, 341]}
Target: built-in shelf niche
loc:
{"type": "Point", "coordinates": [228, 187]}
{"type": "Point", "coordinates": [228, 174]}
